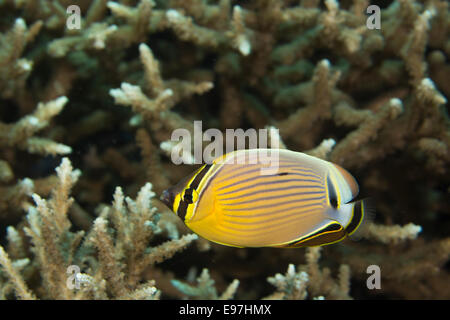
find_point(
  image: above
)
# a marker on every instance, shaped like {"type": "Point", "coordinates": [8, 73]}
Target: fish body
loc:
{"type": "Point", "coordinates": [236, 201]}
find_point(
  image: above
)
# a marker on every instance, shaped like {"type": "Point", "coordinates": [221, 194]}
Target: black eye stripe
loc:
{"type": "Point", "coordinates": [182, 209]}
{"type": "Point", "coordinates": [188, 194]}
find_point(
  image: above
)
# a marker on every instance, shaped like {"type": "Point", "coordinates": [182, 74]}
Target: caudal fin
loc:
{"type": "Point", "coordinates": [363, 213]}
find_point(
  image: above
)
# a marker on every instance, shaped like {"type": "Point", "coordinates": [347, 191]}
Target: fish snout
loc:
{"type": "Point", "coordinates": [167, 198]}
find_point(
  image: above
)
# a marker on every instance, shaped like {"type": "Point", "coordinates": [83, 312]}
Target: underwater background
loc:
{"type": "Point", "coordinates": [90, 92]}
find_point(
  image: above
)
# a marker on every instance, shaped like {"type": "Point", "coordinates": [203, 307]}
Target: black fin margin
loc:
{"type": "Point", "coordinates": [363, 215]}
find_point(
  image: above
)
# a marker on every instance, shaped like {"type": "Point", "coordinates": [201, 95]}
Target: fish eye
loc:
{"type": "Point", "coordinates": [190, 196]}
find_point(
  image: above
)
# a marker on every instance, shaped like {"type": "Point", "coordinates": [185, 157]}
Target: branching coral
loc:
{"type": "Point", "coordinates": [14, 70]}
{"type": "Point", "coordinates": [392, 234]}
{"type": "Point", "coordinates": [291, 286]}
{"type": "Point", "coordinates": [205, 288]}
{"type": "Point", "coordinates": [163, 95]}
{"type": "Point", "coordinates": [311, 279]}
{"type": "Point", "coordinates": [21, 133]}
{"type": "Point", "coordinates": [114, 272]}
{"type": "Point", "coordinates": [374, 101]}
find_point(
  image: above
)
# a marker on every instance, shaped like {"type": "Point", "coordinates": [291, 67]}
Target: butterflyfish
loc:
{"type": "Point", "coordinates": [236, 201]}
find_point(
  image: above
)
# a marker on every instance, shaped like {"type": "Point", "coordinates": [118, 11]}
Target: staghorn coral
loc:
{"type": "Point", "coordinates": [165, 95]}
{"type": "Point", "coordinates": [109, 94]}
{"type": "Point", "coordinates": [205, 288]}
{"type": "Point", "coordinates": [318, 282]}
{"type": "Point", "coordinates": [114, 272]}
{"type": "Point", "coordinates": [14, 70]}
{"type": "Point", "coordinates": [21, 135]}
